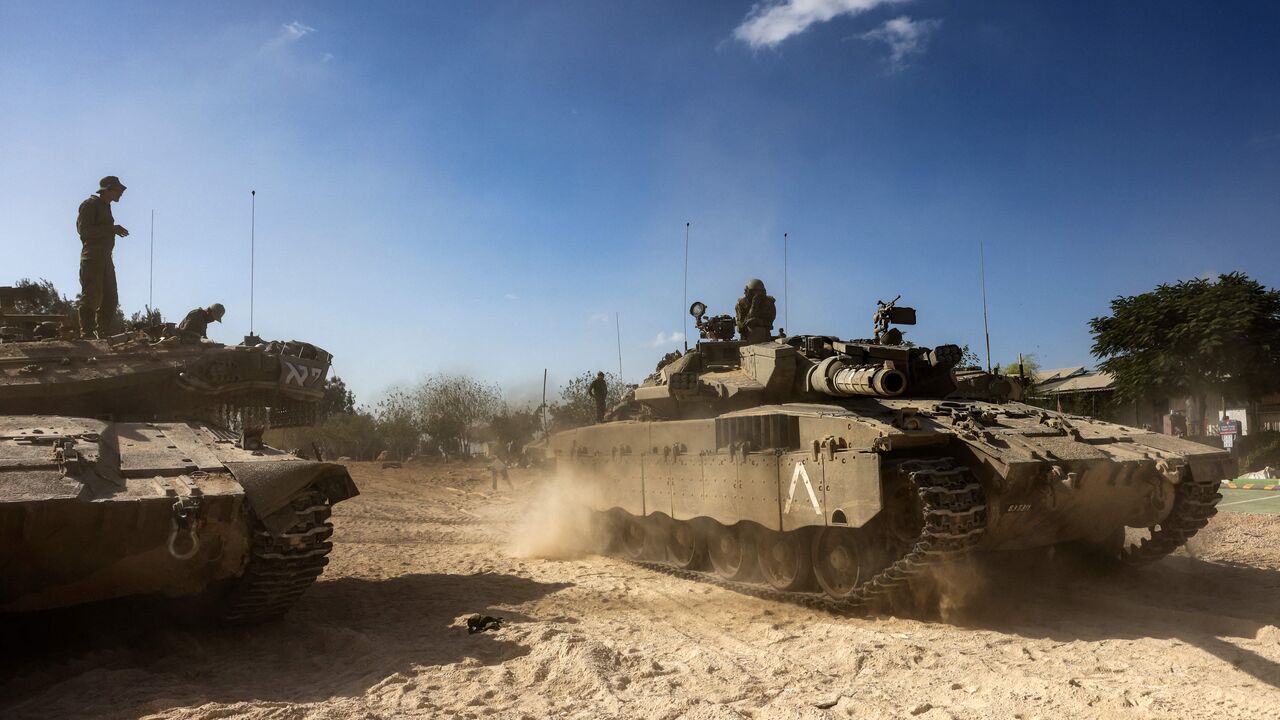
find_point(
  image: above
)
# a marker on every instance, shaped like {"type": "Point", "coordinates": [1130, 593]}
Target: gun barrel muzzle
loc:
{"type": "Point", "coordinates": [840, 379]}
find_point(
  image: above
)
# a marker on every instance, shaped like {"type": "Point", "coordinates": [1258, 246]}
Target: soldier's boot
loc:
{"type": "Point", "coordinates": [88, 321]}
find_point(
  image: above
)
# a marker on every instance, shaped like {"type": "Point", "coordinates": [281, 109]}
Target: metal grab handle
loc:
{"type": "Point", "coordinates": [173, 542]}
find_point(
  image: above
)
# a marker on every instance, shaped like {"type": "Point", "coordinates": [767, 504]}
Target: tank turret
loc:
{"type": "Point", "coordinates": [721, 374]}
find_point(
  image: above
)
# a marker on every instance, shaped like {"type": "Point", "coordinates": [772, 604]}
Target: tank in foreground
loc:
{"type": "Point", "coordinates": [851, 468]}
{"type": "Point", "coordinates": [135, 465]}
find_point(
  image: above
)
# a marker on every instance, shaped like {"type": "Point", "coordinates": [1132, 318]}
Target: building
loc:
{"type": "Point", "coordinates": [1083, 392]}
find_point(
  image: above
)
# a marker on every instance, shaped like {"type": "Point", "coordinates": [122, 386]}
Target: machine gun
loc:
{"type": "Point", "coordinates": [716, 327]}
{"type": "Point", "coordinates": [888, 313]}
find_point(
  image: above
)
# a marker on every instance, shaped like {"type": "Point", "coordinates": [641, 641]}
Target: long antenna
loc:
{"type": "Point", "coordinates": [253, 218]}
{"type": "Point", "coordinates": [786, 306]}
{"type": "Point", "coordinates": [151, 283]}
{"type": "Point", "coordinates": [684, 309]}
{"type": "Point", "coordinates": [982, 268]}
{"type": "Point", "coordinates": [544, 401]}
{"type": "Point", "coordinates": [617, 325]}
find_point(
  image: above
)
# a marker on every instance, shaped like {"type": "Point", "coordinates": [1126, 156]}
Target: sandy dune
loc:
{"type": "Point", "coordinates": [381, 634]}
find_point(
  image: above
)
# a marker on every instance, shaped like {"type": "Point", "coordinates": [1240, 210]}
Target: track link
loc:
{"type": "Point", "coordinates": [282, 567]}
{"type": "Point", "coordinates": [953, 515]}
{"type": "Point", "coordinates": [1195, 501]}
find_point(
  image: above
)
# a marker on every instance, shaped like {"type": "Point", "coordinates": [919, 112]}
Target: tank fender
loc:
{"type": "Point", "coordinates": [269, 486]}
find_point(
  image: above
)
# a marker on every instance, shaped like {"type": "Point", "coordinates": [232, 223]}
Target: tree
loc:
{"type": "Point", "coordinates": [576, 408]}
{"type": "Point", "coordinates": [1028, 368]}
{"type": "Point", "coordinates": [452, 409]}
{"type": "Point", "coordinates": [1193, 338]}
{"type": "Point", "coordinates": [969, 359]}
{"type": "Point", "coordinates": [44, 299]}
{"type": "Point", "coordinates": [397, 423]}
{"type": "Point", "coordinates": [337, 398]}
{"type": "Point", "coordinates": [145, 318]}
{"type": "Point", "coordinates": [514, 427]}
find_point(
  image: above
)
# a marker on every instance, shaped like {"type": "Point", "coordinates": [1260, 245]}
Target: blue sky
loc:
{"type": "Point", "coordinates": [480, 186]}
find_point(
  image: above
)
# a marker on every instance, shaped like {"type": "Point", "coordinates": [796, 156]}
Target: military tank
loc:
{"type": "Point", "coordinates": [847, 473]}
{"type": "Point", "coordinates": [135, 465]}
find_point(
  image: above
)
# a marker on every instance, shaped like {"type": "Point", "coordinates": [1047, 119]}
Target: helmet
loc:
{"type": "Point", "coordinates": [755, 284]}
{"type": "Point", "coordinates": [217, 311]}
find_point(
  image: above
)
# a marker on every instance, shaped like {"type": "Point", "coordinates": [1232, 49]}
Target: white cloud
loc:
{"type": "Point", "coordinates": [667, 339]}
{"type": "Point", "coordinates": [511, 296]}
{"type": "Point", "coordinates": [770, 22]}
{"type": "Point", "coordinates": [600, 317]}
{"type": "Point", "coordinates": [905, 38]}
{"type": "Point", "coordinates": [295, 31]}
{"type": "Point", "coordinates": [289, 34]}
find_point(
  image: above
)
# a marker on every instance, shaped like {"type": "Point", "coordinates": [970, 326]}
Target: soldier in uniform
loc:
{"type": "Point", "coordinates": [98, 232]}
{"type": "Point", "coordinates": [599, 391]}
{"type": "Point", "coordinates": [197, 321]}
{"type": "Point", "coordinates": [755, 313]}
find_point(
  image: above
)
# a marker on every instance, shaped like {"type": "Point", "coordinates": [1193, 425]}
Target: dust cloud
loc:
{"type": "Point", "coordinates": [557, 522]}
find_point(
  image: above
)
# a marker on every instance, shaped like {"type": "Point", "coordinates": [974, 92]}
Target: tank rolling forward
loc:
{"type": "Point", "coordinates": [854, 464]}
{"type": "Point", "coordinates": [135, 465]}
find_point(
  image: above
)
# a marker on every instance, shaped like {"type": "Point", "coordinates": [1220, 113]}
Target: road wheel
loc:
{"type": "Point", "coordinates": [686, 545]}
{"type": "Point", "coordinates": [632, 536]}
{"type": "Point", "coordinates": [784, 559]}
{"type": "Point", "coordinates": [731, 551]}
{"type": "Point", "coordinates": [837, 560]}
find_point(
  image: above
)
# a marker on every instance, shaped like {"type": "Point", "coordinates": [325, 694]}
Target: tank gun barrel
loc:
{"type": "Point", "coordinates": [840, 378]}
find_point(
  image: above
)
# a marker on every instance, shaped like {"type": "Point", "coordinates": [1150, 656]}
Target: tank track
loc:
{"type": "Point", "coordinates": [953, 515]}
{"type": "Point", "coordinates": [282, 567]}
{"type": "Point", "coordinates": [1195, 501]}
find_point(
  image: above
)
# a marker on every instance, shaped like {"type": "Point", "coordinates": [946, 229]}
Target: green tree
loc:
{"type": "Point", "coordinates": [1030, 365]}
{"type": "Point", "coordinates": [516, 427]}
{"type": "Point", "coordinates": [576, 408]}
{"type": "Point", "coordinates": [969, 359]}
{"type": "Point", "coordinates": [1193, 338]}
{"type": "Point", "coordinates": [338, 400]}
{"type": "Point", "coordinates": [42, 298]}
{"type": "Point", "coordinates": [453, 409]}
{"type": "Point", "coordinates": [396, 420]}
{"type": "Point", "coordinates": [145, 318]}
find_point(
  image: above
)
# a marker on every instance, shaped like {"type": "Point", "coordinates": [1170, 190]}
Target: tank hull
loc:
{"type": "Point", "coordinates": [853, 467]}
{"type": "Point", "coordinates": [91, 510]}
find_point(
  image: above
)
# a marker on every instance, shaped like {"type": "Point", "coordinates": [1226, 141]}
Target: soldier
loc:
{"type": "Point", "coordinates": [755, 313]}
{"type": "Point", "coordinates": [599, 391]}
{"type": "Point", "coordinates": [98, 232]}
{"type": "Point", "coordinates": [197, 321]}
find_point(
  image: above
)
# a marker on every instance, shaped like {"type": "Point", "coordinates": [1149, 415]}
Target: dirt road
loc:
{"type": "Point", "coordinates": [381, 634]}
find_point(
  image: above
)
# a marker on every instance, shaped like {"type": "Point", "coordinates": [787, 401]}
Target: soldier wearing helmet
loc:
{"type": "Point", "coordinates": [755, 313]}
{"type": "Point", "coordinates": [98, 232]}
{"type": "Point", "coordinates": [197, 321]}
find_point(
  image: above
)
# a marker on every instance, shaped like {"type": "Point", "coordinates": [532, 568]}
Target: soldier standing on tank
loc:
{"type": "Point", "coordinates": [599, 391]}
{"type": "Point", "coordinates": [98, 232]}
{"type": "Point", "coordinates": [755, 313]}
{"type": "Point", "coordinates": [197, 321]}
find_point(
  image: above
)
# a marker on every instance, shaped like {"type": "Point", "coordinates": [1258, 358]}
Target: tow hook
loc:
{"type": "Point", "coordinates": [188, 517]}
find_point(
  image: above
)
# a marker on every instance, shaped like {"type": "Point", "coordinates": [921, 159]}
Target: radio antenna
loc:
{"type": "Point", "coordinates": [982, 270]}
{"type": "Point", "coordinates": [617, 326]}
{"type": "Point", "coordinates": [786, 306]}
{"type": "Point", "coordinates": [253, 217]}
{"type": "Point", "coordinates": [151, 282]}
{"type": "Point", "coordinates": [544, 402]}
{"type": "Point", "coordinates": [684, 310]}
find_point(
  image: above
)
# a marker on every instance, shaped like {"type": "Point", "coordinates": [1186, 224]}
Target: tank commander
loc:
{"type": "Point", "coordinates": [599, 391]}
{"type": "Point", "coordinates": [197, 321]}
{"type": "Point", "coordinates": [755, 313]}
{"type": "Point", "coordinates": [98, 232]}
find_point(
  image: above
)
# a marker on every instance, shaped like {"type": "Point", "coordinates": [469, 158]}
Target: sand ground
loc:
{"type": "Point", "coordinates": [380, 635]}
